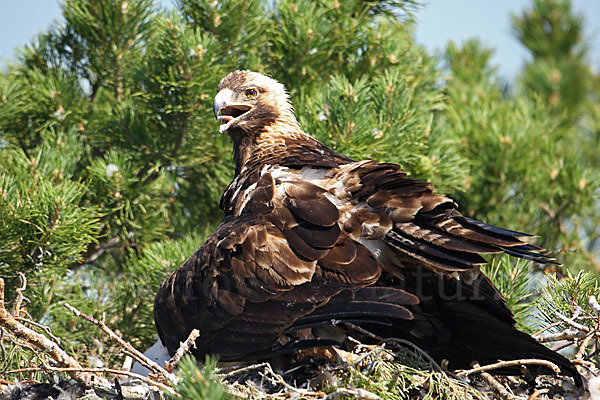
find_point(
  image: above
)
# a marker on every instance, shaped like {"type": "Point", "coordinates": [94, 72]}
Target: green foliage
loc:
{"type": "Point", "coordinates": [44, 227]}
{"type": "Point", "coordinates": [514, 280]}
{"type": "Point", "coordinates": [554, 36]}
{"type": "Point", "coordinates": [377, 119]}
{"type": "Point", "coordinates": [525, 172]}
{"type": "Point", "coordinates": [561, 77]}
{"type": "Point", "coordinates": [567, 296]}
{"type": "Point", "coordinates": [155, 263]}
{"type": "Point", "coordinates": [549, 28]}
{"type": "Point", "coordinates": [406, 377]}
{"type": "Point", "coordinates": [199, 383]}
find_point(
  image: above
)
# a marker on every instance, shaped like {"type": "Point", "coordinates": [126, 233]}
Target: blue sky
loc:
{"type": "Point", "coordinates": [490, 21]}
{"type": "Point", "coordinates": [438, 22]}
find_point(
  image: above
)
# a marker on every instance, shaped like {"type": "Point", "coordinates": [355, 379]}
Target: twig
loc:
{"type": "Point", "coordinates": [41, 342]}
{"type": "Point", "coordinates": [244, 369]}
{"type": "Point", "coordinates": [64, 360]}
{"type": "Point", "coordinates": [560, 346]}
{"type": "Point", "coordinates": [362, 330]}
{"type": "Point", "coordinates": [377, 350]}
{"type": "Point", "coordinates": [537, 392]}
{"type": "Point", "coordinates": [567, 334]}
{"type": "Point", "coordinates": [142, 359]}
{"type": "Point", "coordinates": [46, 330]}
{"type": "Point", "coordinates": [571, 322]}
{"type": "Point", "coordinates": [93, 370]}
{"type": "Point", "coordinates": [495, 384]}
{"type": "Point", "coordinates": [544, 329]}
{"type": "Point", "coordinates": [404, 343]}
{"type": "Point", "coordinates": [66, 363]}
{"type": "Point", "coordinates": [99, 250]}
{"type": "Point", "coordinates": [20, 296]}
{"type": "Point", "coordinates": [375, 359]}
{"type": "Point", "coordinates": [582, 346]}
{"type": "Point", "coordinates": [419, 350]}
{"type": "Point", "coordinates": [23, 344]}
{"type": "Point", "coordinates": [361, 394]}
{"type": "Point", "coordinates": [278, 379]}
{"type": "Point", "coordinates": [184, 347]}
{"type": "Point", "coordinates": [587, 364]}
{"type": "Point", "coordinates": [512, 363]}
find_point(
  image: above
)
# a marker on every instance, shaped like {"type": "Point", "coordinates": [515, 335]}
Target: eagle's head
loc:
{"type": "Point", "coordinates": [247, 102]}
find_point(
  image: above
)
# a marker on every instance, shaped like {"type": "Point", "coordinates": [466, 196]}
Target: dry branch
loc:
{"type": "Point", "coordinates": [583, 346]}
{"type": "Point", "coordinates": [512, 363]}
{"type": "Point", "coordinates": [568, 334]}
{"type": "Point", "coordinates": [361, 394]}
{"type": "Point", "coordinates": [544, 329]}
{"type": "Point", "coordinates": [571, 322]}
{"type": "Point", "coordinates": [244, 369]}
{"type": "Point", "coordinates": [20, 296]}
{"type": "Point", "coordinates": [95, 370]}
{"type": "Point", "coordinates": [594, 305]}
{"type": "Point", "coordinates": [85, 376]}
{"type": "Point", "coordinates": [495, 384]}
{"type": "Point", "coordinates": [401, 342]}
{"type": "Point", "coordinates": [142, 359]}
{"type": "Point", "coordinates": [183, 348]}
{"type": "Point", "coordinates": [8, 321]}
{"type": "Point", "coordinates": [538, 392]}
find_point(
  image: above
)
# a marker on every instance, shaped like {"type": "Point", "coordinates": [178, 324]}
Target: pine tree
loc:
{"type": "Point", "coordinates": [560, 77]}
{"type": "Point", "coordinates": [111, 164]}
{"type": "Point", "coordinates": [558, 71]}
{"type": "Point", "coordinates": [526, 169]}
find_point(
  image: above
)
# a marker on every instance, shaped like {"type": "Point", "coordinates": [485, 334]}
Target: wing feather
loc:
{"type": "Point", "coordinates": [426, 225]}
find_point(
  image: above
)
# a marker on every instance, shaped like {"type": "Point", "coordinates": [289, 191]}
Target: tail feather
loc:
{"type": "Point", "coordinates": [481, 226]}
{"type": "Point", "coordinates": [483, 338]}
{"type": "Point", "coordinates": [462, 323]}
{"type": "Point", "coordinates": [524, 253]}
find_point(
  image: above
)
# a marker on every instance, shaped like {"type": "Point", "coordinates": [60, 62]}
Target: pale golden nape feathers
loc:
{"type": "Point", "coordinates": [310, 236]}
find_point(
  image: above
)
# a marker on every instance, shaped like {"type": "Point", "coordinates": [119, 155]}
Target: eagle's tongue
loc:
{"type": "Point", "coordinates": [226, 122]}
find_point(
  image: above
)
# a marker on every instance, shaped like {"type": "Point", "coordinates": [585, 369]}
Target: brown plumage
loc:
{"type": "Point", "coordinates": [310, 236]}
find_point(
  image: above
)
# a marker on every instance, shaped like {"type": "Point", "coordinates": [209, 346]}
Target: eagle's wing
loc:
{"type": "Point", "coordinates": [279, 256]}
{"type": "Point", "coordinates": [421, 225]}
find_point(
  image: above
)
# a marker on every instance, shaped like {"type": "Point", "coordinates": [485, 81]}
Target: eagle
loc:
{"type": "Point", "coordinates": [313, 242]}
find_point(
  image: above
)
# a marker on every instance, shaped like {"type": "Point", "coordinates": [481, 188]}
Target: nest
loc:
{"type": "Point", "coordinates": [392, 369]}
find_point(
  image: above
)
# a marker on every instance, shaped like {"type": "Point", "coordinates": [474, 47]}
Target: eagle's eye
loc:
{"type": "Point", "coordinates": [251, 93]}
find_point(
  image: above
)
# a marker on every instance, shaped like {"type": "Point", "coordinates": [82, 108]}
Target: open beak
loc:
{"type": "Point", "coordinates": [226, 110]}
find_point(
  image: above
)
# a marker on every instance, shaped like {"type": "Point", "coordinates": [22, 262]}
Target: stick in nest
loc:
{"type": "Point", "coordinates": [95, 370]}
{"type": "Point", "coordinates": [353, 394]}
{"type": "Point", "coordinates": [20, 296]}
{"type": "Point", "coordinates": [495, 384]}
{"type": "Point", "coordinates": [402, 342]}
{"type": "Point", "coordinates": [512, 363]}
{"type": "Point", "coordinates": [567, 334]}
{"type": "Point", "coordinates": [570, 321]}
{"type": "Point", "coordinates": [66, 363]}
{"type": "Point", "coordinates": [62, 358]}
{"type": "Point", "coordinates": [184, 347]}
{"type": "Point", "coordinates": [142, 359]}
{"type": "Point", "coordinates": [8, 321]}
